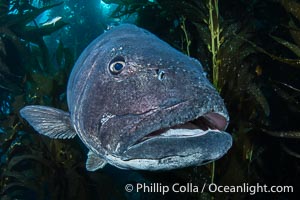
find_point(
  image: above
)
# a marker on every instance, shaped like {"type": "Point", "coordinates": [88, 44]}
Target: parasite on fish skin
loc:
{"type": "Point", "coordinates": [138, 103]}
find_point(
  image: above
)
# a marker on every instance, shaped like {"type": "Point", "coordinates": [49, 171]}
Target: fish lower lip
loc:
{"type": "Point", "coordinates": [195, 128]}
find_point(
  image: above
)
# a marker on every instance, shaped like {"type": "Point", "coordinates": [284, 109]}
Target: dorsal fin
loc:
{"type": "Point", "coordinates": [94, 162]}
{"type": "Point", "coordinates": [48, 121]}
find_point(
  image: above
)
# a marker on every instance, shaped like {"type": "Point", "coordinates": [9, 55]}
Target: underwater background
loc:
{"type": "Point", "coordinates": [250, 50]}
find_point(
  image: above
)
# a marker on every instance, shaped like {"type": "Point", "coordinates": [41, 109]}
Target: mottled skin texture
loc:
{"type": "Point", "coordinates": [137, 103]}
{"type": "Point", "coordinates": [159, 87]}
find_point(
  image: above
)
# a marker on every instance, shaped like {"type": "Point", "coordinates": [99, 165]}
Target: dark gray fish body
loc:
{"type": "Point", "coordinates": [137, 103]}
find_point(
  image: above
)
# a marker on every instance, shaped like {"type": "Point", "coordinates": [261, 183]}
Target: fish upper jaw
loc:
{"type": "Point", "coordinates": [187, 121]}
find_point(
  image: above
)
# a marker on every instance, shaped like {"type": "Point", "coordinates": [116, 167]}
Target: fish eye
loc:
{"type": "Point", "coordinates": [117, 65]}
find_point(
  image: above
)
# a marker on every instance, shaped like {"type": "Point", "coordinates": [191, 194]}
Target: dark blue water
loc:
{"type": "Point", "coordinates": [253, 44]}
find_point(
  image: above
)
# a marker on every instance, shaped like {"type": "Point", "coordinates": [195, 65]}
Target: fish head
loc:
{"type": "Point", "coordinates": [145, 105]}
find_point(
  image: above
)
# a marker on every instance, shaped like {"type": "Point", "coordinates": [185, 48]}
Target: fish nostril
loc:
{"type": "Point", "coordinates": [160, 74]}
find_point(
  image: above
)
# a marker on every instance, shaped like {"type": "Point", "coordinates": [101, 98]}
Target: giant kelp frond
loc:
{"type": "Point", "coordinates": [288, 94]}
{"type": "Point", "coordinates": [14, 29]}
{"type": "Point", "coordinates": [23, 163]}
{"type": "Point", "coordinates": [292, 7]}
{"type": "Point", "coordinates": [286, 91]}
{"type": "Point", "coordinates": [293, 47]}
{"type": "Point", "coordinates": [30, 159]}
{"type": "Point", "coordinates": [128, 7]}
{"type": "Point", "coordinates": [284, 134]}
{"type": "Point", "coordinates": [22, 18]}
{"type": "Point", "coordinates": [291, 96]}
{"type": "Point", "coordinates": [18, 24]}
{"type": "Point", "coordinates": [41, 3]}
{"type": "Point", "coordinates": [228, 50]}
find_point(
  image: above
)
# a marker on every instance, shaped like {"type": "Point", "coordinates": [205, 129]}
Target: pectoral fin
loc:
{"type": "Point", "coordinates": [94, 162]}
{"type": "Point", "coordinates": [48, 121]}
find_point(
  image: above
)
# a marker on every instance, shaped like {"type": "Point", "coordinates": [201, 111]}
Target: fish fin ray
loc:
{"type": "Point", "coordinates": [94, 162]}
{"type": "Point", "coordinates": [48, 121]}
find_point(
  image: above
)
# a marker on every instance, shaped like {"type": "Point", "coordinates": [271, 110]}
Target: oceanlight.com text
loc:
{"type": "Point", "coordinates": [251, 189]}
{"type": "Point", "coordinates": [212, 187]}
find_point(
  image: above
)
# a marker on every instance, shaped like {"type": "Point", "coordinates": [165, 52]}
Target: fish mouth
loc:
{"type": "Point", "coordinates": [210, 121]}
{"type": "Point", "coordinates": [188, 136]}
